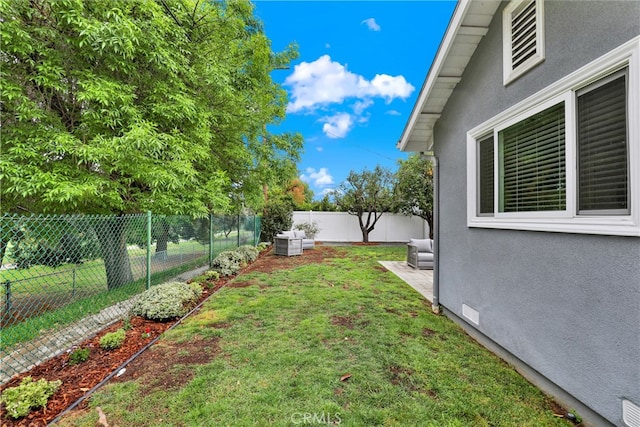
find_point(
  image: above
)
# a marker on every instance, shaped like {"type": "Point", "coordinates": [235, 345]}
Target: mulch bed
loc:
{"type": "Point", "coordinates": [78, 379]}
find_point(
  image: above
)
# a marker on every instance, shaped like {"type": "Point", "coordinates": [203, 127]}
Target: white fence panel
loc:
{"type": "Point", "coordinates": [342, 227]}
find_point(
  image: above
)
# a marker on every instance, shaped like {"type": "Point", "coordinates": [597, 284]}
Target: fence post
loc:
{"type": "Point", "coordinates": [73, 290]}
{"type": "Point", "coordinates": [238, 230]}
{"type": "Point", "coordinates": [148, 279]}
{"type": "Point", "coordinates": [210, 239]}
{"type": "Point", "coordinates": [7, 301]}
{"type": "Point", "coordinates": [255, 230]}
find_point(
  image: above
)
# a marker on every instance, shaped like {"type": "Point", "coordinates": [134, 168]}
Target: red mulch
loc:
{"type": "Point", "coordinates": [80, 378]}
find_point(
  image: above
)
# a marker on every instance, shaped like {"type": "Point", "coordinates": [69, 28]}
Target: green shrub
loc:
{"type": "Point", "coordinates": [126, 323]}
{"type": "Point", "coordinates": [262, 246]}
{"type": "Point", "coordinates": [78, 356]}
{"type": "Point", "coordinates": [28, 395]}
{"type": "Point", "coordinates": [113, 340]}
{"type": "Point", "coordinates": [167, 301]}
{"type": "Point", "coordinates": [310, 228]}
{"type": "Point", "coordinates": [248, 253]}
{"type": "Point", "coordinates": [211, 275]}
{"type": "Point", "coordinates": [277, 216]}
{"type": "Point", "coordinates": [228, 263]}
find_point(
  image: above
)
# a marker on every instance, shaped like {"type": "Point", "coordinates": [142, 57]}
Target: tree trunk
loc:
{"type": "Point", "coordinates": [112, 237]}
{"type": "Point", "coordinates": [162, 241]}
{"type": "Point", "coordinates": [364, 227]}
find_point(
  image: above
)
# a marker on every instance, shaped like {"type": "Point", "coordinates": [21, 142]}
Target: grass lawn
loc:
{"type": "Point", "coordinates": [338, 342]}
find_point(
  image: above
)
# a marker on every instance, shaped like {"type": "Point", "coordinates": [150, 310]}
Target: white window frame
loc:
{"type": "Point", "coordinates": [509, 72]}
{"type": "Point", "coordinates": [564, 90]}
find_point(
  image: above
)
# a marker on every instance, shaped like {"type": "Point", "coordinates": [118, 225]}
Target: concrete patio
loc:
{"type": "Point", "coordinates": [420, 280]}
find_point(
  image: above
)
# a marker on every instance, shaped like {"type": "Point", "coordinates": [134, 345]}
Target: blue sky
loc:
{"type": "Point", "coordinates": [359, 73]}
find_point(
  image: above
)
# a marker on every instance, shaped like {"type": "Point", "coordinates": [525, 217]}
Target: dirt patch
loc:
{"type": "Point", "coordinates": [271, 262]}
{"type": "Point", "coordinates": [240, 284]}
{"type": "Point", "coordinates": [426, 332]}
{"type": "Point", "coordinates": [345, 321]}
{"type": "Point", "coordinates": [399, 376]}
{"type": "Point", "coordinates": [166, 365]}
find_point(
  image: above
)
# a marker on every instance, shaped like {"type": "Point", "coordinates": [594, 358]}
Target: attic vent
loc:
{"type": "Point", "coordinates": [523, 34]}
{"type": "Point", "coordinates": [523, 29]}
{"type": "Point", "coordinates": [630, 414]}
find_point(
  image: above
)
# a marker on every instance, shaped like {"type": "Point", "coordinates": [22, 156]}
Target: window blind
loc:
{"type": "Point", "coordinates": [602, 148]}
{"type": "Point", "coordinates": [486, 176]}
{"type": "Point", "coordinates": [532, 163]}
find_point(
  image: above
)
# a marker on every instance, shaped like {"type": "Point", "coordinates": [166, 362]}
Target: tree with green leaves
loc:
{"type": "Point", "coordinates": [123, 106]}
{"type": "Point", "coordinates": [414, 189]}
{"type": "Point", "coordinates": [323, 205]}
{"type": "Point", "coordinates": [366, 195]}
{"type": "Point", "coordinates": [277, 216]}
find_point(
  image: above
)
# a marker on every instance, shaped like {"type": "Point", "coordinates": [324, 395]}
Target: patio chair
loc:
{"type": "Point", "coordinates": [292, 242]}
{"type": "Point", "coordinates": [420, 254]}
{"type": "Point", "coordinates": [299, 234]}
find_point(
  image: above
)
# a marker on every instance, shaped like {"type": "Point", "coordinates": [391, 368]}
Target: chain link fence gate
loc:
{"type": "Point", "coordinates": [63, 278]}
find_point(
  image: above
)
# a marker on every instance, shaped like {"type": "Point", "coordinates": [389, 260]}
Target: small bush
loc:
{"type": "Point", "coordinates": [20, 400]}
{"type": "Point", "coordinates": [113, 340]}
{"type": "Point", "coordinates": [310, 228]}
{"type": "Point", "coordinates": [262, 246]}
{"type": "Point", "coordinates": [78, 356]}
{"type": "Point", "coordinates": [167, 301]}
{"type": "Point", "coordinates": [248, 253]}
{"type": "Point", "coordinates": [277, 216]}
{"type": "Point", "coordinates": [211, 275]}
{"type": "Point", "coordinates": [228, 263]}
{"type": "Point", "coordinates": [126, 323]}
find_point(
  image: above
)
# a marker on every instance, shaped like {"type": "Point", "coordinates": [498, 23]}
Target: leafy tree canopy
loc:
{"type": "Point", "coordinates": [119, 106]}
{"type": "Point", "coordinates": [367, 195]}
{"type": "Point", "coordinates": [323, 205]}
{"type": "Point", "coordinates": [300, 192]}
{"type": "Point", "coordinates": [414, 188]}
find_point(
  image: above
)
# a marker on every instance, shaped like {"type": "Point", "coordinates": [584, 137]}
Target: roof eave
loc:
{"type": "Point", "coordinates": [463, 34]}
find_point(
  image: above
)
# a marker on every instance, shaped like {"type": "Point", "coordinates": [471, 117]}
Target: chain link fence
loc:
{"type": "Point", "coordinates": [65, 277]}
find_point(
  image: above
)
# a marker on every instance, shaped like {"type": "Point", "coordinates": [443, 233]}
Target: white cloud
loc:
{"type": "Point", "coordinates": [390, 87]}
{"type": "Point", "coordinates": [323, 82]}
{"type": "Point", "coordinates": [320, 178]}
{"type": "Point", "coordinates": [372, 24]}
{"type": "Point", "coordinates": [392, 113]}
{"type": "Point", "coordinates": [363, 119]}
{"type": "Point", "coordinates": [337, 126]}
{"type": "Point", "coordinates": [360, 106]}
{"type": "Point", "coordinates": [319, 149]}
{"type": "Point", "coordinates": [327, 45]}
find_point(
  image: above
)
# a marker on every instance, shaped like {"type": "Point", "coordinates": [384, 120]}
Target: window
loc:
{"type": "Point", "coordinates": [523, 37]}
{"type": "Point", "coordinates": [603, 173]}
{"type": "Point", "coordinates": [566, 159]}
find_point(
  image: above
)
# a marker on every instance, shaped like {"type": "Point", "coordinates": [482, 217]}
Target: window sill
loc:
{"type": "Point", "coordinates": [610, 226]}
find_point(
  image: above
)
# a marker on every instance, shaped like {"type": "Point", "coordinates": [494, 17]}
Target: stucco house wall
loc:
{"type": "Point", "coordinates": [568, 305]}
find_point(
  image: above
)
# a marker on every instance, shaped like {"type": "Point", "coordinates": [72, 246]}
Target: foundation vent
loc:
{"type": "Point", "coordinates": [630, 413]}
{"type": "Point", "coordinates": [472, 315]}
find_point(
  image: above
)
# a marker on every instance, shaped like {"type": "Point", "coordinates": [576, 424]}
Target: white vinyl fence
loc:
{"type": "Point", "coordinates": [342, 227]}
